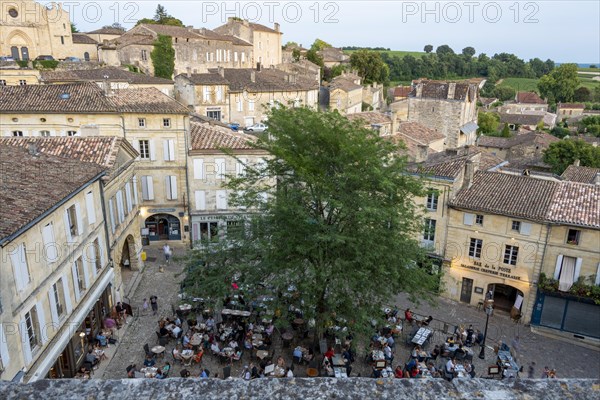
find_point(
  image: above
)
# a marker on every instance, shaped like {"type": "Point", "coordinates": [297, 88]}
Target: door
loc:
{"type": "Point", "coordinates": [14, 52]}
{"type": "Point", "coordinates": [25, 53]}
{"type": "Point", "coordinates": [467, 290]}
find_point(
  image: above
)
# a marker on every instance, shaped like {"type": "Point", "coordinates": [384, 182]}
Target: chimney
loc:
{"type": "Point", "coordinates": [576, 162]}
{"type": "Point", "coordinates": [189, 72]}
{"type": "Point", "coordinates": [221, 71]}
{"type": "Point", "coordinates": [276, 27]}
{"type": "Point", "coordinates": [33, 150]}
{"type": "Point", "coordinates": [451, 89]}
{"type": "Point", "coordinates": [258, 66]}
{"type": "Point", "coordinates": [471, 166]}
{"type": "Point", "coordinates": [252, 76]}
{"type": "Point", "coordinates": [422, 150]}
{"type": "Point", "coordinates": [419, 90]}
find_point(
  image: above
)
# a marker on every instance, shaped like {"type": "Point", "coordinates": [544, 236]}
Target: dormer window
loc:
{"type": "Point", "coordinates": [573, 236]}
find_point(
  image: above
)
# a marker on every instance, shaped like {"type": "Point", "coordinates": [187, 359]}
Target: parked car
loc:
{"type": "Point", "coordinates": [44, 58]}
{"type": "Point", "coordinates": [7, 58]}
{"type": "Point", "coordinates": [73, 59]}
{"type": "Point", "coordinates": [258, 127]}
{"type": "Point", "coordinates": [234, 126]}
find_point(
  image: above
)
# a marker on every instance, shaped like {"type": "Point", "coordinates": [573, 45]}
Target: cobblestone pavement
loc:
{"type": "Point", "coordinates": [570, 361]}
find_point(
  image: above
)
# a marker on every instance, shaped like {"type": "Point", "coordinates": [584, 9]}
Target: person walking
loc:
{"type": "Point", "coordinates": [145, 307]}
{"type": "Point", "coordinates": [154, 303]}
{"type": "Point", "coordinates": [167, 251]}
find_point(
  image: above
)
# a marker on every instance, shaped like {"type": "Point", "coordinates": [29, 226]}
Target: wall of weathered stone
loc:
{"type": "Point", "coordinates": [304, 388]}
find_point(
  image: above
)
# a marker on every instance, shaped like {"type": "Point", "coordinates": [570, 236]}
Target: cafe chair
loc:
{"type": "Point", "coordinates": [148, 352]}
{"type": "Point", "coordinates": [162, 340]}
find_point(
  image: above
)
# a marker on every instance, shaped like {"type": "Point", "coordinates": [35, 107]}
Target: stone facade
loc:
{"type": "Point", "coordinates": [19, 76]}
{"type": "Point", "coordinates": [29, 29]}
{"type": "Point", "coordinates": [266, 42]}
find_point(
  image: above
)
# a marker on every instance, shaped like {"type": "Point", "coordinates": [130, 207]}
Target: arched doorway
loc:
{"type": "Point", "coordinates": [505, 297]}
{"type": "Point", "coordinates": [14, 52]}
{"type": "Point", "coordinates": [163, 227]}
{"type": "Point", "coordinates": [128, 261]}
{"type": "Point", "coordinates": [86, 56]}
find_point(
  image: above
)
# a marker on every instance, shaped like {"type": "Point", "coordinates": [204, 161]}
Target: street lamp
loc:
{"type": "Point", "coordinates": [489, 309]}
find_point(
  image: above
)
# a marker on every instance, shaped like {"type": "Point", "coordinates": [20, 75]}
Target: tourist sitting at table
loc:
{"type": "Point", "coordinates": [408, 315]}
{"type": "Point", "coordinates": [233, 344]}
{"type": "Point", "coordinates": [348, 354]}
{"type": "Point", "coordinates": [210, 324]}
{"type": "Point", "coordinates": [110, 324]}
{"type": "Point", "coordinates": [387, 353]}
{"type": "Point", "coordinates": [186, 340]}
{"type": "Point", "coordinates": [175, 331]}
{"type": "Point", "coordinates": [390, 340]}
{"type": "Point", "coordinates": [248, 342]}
{"type": "Point", "coordinates": [269, 329]}
{"type": "Point", "coordinates": [450, 369]}
{"type": "Point", "coordinates": [83, 373]}
{"type": "Point", "coordinates": [411, 364]}
{"type": "Point", "coordinates": [177, 353]}
{"type": "Point", "coordinates": [398, 372]}
{"type": "Point", "coordinates": [159, 374]}
{"type": "Point", "coordinates": [131, 370]}
{"type": "Point", "coordinates": [469, 369]}
{"type": "Point", "coordinates": [297, 355]}
{"type": "Point", "coordinates": [91, 358]}
{"type": "Point", "coordinates": [414, 371]}
{"type": "Point", "coordinates": [435, 352]}
{"type": "Point", "coordinates": [198, 356]}
{"type": "Point", "coordinates": [204, 373]}
{"type": "Point", "coordinates": [460, 353]}
{"type": "Point", "coordinates": [237, 356]}
{"type": "Point", "coordinates": [327, 369]}
{"type": "Point", "coordinates": [184, 373]}
{"type": "Point", "coordinates": [163, 331]}
{"type": "Point", "coordinates": [215, 348]}
{"type": "Point", "coordinates": [149, 361]}
{"type": "Point", "coordinates": [99, 352]}
{"type": "Point", "coordinates": [432, 370]}
{"type": "Point", "coordinates": [478, 337]}
{"type": "Point", "coordinates": [308, 355]}
{"type": "Point", "coordinates": [102, 341]}
{"type": "Point", "coordinates": [415, 352]}
{"type": "Point", "coordinates": [329, 353]}
{"type": "Point", "coordinates": [177, 321]}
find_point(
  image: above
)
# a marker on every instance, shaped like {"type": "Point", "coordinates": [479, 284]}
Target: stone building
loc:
{"type": "Point", "coordinates": [448, 107]}
{"type": "Point", "coordinates": [265, 41]}
{"type": "Point", "coordinates": [14, 75]}
{"type": "Point", "coordinates": [420, 141]}
{"type": "Point", "coordinates": [29, 29]}
{"type": "Point", "coordinates": [527, 101]}
{"type": "Point", "coordinates": [84, 47]}
{"type": "Point", "coordinates": [212, 213]}
{"type": "Point", "coordinates": [569, 110]}
{"type": "Point", "coordinates": [244, 95]}
{"type": "Point", "coordinates": [56, 279]}
{"type": "Point", "coordinates": [380, 122]}
{"type": "Point", "coordinates": [155, 124]}
{"type": "Point", "coordinates": [197, 49]}
{"type": "Point", "coordinates": [333, 57]}
{"type": "Point", "coordinates": [108, 33]}
{"type": "Point", "coordinates": [344, 94]}
{"type": "Point", "coordinates": [520, 150]}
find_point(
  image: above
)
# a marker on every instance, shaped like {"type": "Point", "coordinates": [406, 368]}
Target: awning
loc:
{"type": "Point", "coordinates": [56, 346]}
{"type": "Point", "coordinates": [469, 127]}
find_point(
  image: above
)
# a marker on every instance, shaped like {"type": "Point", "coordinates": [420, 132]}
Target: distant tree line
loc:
{"type": "Point", "coordinates": [366, 48]}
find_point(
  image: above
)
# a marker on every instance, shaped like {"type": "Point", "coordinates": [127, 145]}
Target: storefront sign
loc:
{"type": "Point", "coordinates": [215, 218]}
{"type": "Point", "coordinates": [160, 210]}
{"type": "Point", "coordinates": [501, 271]}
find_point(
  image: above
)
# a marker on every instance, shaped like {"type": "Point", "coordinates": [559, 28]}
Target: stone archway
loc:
{"type": "Point", "coordinates": [129, 262]}
{"type": "Point", "coordinates": [21, 43]}
{"type": "Point", "coordinates": [504, 296]}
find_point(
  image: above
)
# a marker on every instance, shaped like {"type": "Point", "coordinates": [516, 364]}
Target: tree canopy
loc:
{"type": "Point", "coordinates": [370, 66]}
{"type": "Point", "coordinates": [560, 84]}
{"type": "Point", "coordinates": [161, 17]}
{"type": "Point", "coordinates": [488, 122]}
{"type": "Point", "coordinates": [163, 57]}
{"type": "Point", "coordinates": [319, 45]}
{"type": "Point", "coordinates": [561, 154]}
{"type": "Point", "coordinates": [335, 237]}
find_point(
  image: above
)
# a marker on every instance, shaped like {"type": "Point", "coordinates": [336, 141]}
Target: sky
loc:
{"type": "Point", "coordinates": [564, 31]}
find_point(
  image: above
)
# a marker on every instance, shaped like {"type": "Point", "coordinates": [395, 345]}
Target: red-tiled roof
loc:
{"type": "Point", "coordinates": [576, 203]}
{"type": "Point", "coordinates": [529, 98]}
{"type": "Point", "coordinates": [205, 137]}
{"type": "Point", "coordinates": [580, 174]}
{"type": "Point", "coordinates": [146, 100]}
{"type": "Point", "coordinates": [402, 91]}
{"type": "Point", "coordinates": [419, 132]}
{"type": "Point", "coordinates": [82, 38]}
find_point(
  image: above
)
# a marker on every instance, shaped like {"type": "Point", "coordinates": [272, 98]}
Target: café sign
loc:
{"type": "Point", "coordinates": [491, 269]}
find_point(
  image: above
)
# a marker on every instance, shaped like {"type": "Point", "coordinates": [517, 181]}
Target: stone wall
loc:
{"type": "Point", "coordinates": [445, 116]}
{"type": "Point", "coordinates": [304, 388]}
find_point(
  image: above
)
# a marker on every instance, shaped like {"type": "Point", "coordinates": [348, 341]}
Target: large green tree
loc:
{"type": "Point", "coordinates": [560, 84]}
{"type": "Point", "coordinates": [163, 57]}
{"type": "Point", "coordinates": [488, 122]}
{"type": "Point", "coordinates": [370, 66]}
{"type": "Point", "coordinates": [561, 154]}
{"type": "Point", "coordinates": [335, 237]}
{"type": "Point", "coordinates": [162, 17]}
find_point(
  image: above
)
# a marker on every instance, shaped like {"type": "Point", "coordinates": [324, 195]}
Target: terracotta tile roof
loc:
{"type": "Point", "coordinates": [206, 79]}
{"type": "Point", "coordinates": [82, 38]}
{"type": "Point", "coordinates": [146, 100]}
{"type": "Point", "coordinates": [580, 174]}
{"type": "Point", "coordinates": [170, 30]}
{"type": "Point", "coordinates": [205, 137]}
{"type": "Point", "coordinates": [529, 98]}
{"type": "Point", "coordinates": [262, 28]}
{"type": "Point", "coordinates": [520, 119]}
{"type": "Point", "coordinates": [486, 101]}
{"type": "Point", "coordinates": [99, 74]}
{"type": "Point", "coordinates": [131, 39]}
{"type": "Point", "coordinates": [451, 163]}
{"type": "Point", "coordinates": [579, 106]}
{"type": "Point", "coordinates": [42, 181]}
{"type": "Point", "coordinates": [74, 97]}
{"type": "Point", "coordinates": [108, 31]}
{"type": "Point", "coordinates": [402, 91]}
{"type": "Point", "coordinates": [576, 203]}
{"type": "Point", "coordinates": [267, 79]}
{"type": "Point", "coordinates": [532, 138]}
{"type": "Point", "coordinates": [344, 83]}
{"type": "Point", "coordinates": [439, 90]}
{"type": "Point", "coordinates": [420, 132]}
{"type": "Point", "coordinates": [505, 194]}
{"type": "Point", "coordinates": [370, 117]}
{"type": "Point", "coordinates": [333, 54]}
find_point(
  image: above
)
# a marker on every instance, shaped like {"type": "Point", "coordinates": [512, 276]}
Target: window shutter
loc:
{"type": "Point", "coordinates": [468, 219]}
{"type": "Point", "coordinates": [92, 258]}
{"type": "Point", "coordinates": [152, 150]}
{"type": "Point", "coordinates": [136, 146]}
{"type": "Point", "coordinates": [171, 149]}
{"type": "Point", "coordinates": [91, 210]}
{"type": "Point", "coordinates": [4, 354]}
{"type": "Point", "coordinates": [173, 180]}
{"type": "Point", "coordinates": [79, 219]}
{"type": "Point", "coordinates": [525, 228]}
{"type": "Point", "coordinates": [101, 251]}
{"type": "Point", "coordinates": [67, 228]}
{"type": "Point", "coordinates": [120, 208]}
{"type": "Point", "coordinates": [25, 342]}
{"type": "Point", "coordinates": [577, 269]}
{"type": "Point", "coordinates": [150, 188]}
{"type": "Point", "coordinates": [67, 292]}
{"type": "Point", "coordinates": [221, 200]}
{"type": "Point", "coordinates": [200, 196]}
{"type": "Point", "coordinates": [135, 190]}
{"type": "Point", "coordinates": [53, 311]}
{"type": "Point", "coordinates": [111, 210]}
{"type": "Point", "coordinates": [84, 264]}
{"type": "Point", "coordinates": [195, 232]}
{"type": "Point", "coordinates": [198, 168]}
{"type": "Point", "coordinates": [220, 168]}
{"type": "Point", "coordinates": [75, 281]}
{"type": "Point", "coordinates": [240, 167]}
{"type": "Point", "coordinates": [559, 260]}
{"type": "Point", "coordinates": [128, 196]}
{"type": "Point", "coordinates": [42, 322]}
{"type": "Point", "coordinates": [598, 275]}
{"type": "Point", "coordinates": [50, 247]}
{"type": "Point", "coordinates": [15, 258]}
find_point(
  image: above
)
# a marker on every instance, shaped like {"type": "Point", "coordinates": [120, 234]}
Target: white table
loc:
{"type": "Point", "coordinates": [421, 336]}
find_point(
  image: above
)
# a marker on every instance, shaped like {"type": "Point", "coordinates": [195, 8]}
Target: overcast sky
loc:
{"type": "Point", "coordinates": [564, 31]}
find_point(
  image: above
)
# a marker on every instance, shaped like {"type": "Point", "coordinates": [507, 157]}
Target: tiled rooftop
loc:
{"type": "Point", "coordinates": [420, 132]}
{"type": "Point", "coordinates": [370, 117]}
{"type": "Point", "coordinates": [580, 174]}
{"type": "Point", "coordinates": [100, 74]}
{"type": "Point", "coordinates": [82, 38]}
{"type": "Point", "coordinates": [576, 203]}
{"type": "Point", "coordinates": [205, 137]}
{"type": "Point", "coordinates": [529, 98]}
{"type": "Point", "coordinates": [146, 100]}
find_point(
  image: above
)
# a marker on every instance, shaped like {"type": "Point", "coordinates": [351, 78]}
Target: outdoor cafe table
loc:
{"type": "Point", "coordinates": [185, 308]}
{"type": "Point", "coordinates": [149, 372]}
{"type": "Point", "coordinates": [460, 371]}
{"type": "Point", "coordinates": [159, 350]}
{"type": "Point", "coordinates": [196, 339]}
{"type": "Point", "coordinates": [377, 355]}
{"type": "Point", "coordinates": [235, 313]}
{"type": "Point", "coordinates": [421, 336]}
{"type": "Point", "coordinates": [262, 354]}
{"type": "Point", "coordinates": [187, 356]}
{"type": "Point", "coordinates": [338, 360]}
{"type": "Point", "coordinates": [340, 372]}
